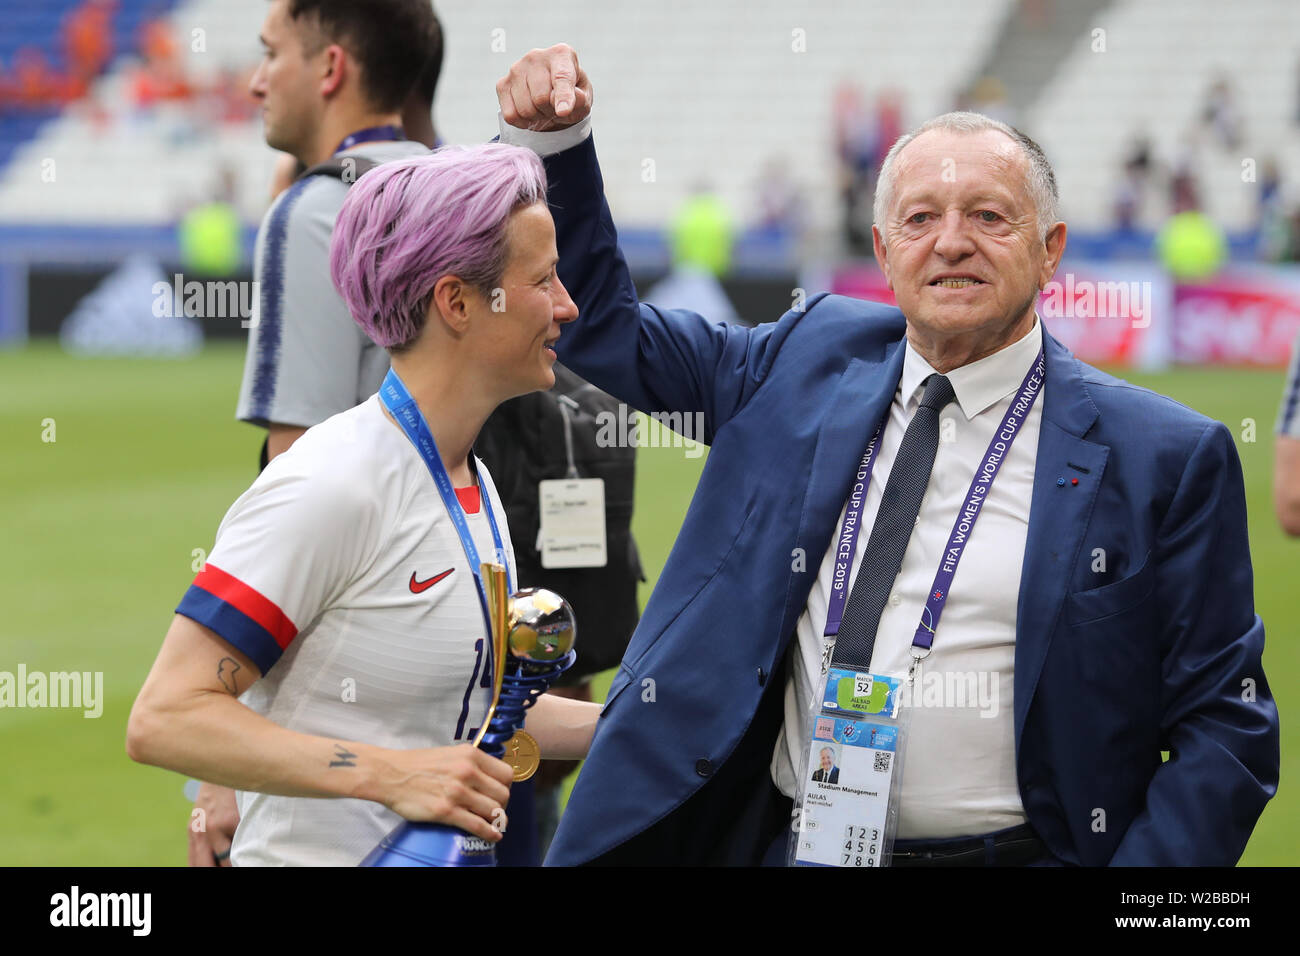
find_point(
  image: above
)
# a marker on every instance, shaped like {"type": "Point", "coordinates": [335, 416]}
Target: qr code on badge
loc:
{"type": "Point", "coordinates": [882, 762]}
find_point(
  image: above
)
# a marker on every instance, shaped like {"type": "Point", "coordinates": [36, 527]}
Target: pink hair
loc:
{"type": "Point", "coordinates": [406, 224]}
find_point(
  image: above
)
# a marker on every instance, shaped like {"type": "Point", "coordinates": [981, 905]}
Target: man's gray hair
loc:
{"type": "Point", "coordinates": [1041, 181]}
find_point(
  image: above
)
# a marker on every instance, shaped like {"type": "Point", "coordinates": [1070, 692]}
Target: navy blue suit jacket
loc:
{"type": "Point", "coordinates": [1161, 651]}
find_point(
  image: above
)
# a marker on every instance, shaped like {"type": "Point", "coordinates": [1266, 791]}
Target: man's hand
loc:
{"type": "Point", "coordinates": [545, 90]}
{"type": "Point", "coordinates": [210, 845]}
{"type": "Point", "coordinates": [460, 785]}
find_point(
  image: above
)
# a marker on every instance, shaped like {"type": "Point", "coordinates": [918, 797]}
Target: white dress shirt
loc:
{"type": "Point", "coordinates": [959, 773]}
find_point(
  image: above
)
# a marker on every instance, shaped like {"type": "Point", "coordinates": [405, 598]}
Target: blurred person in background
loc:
{"type": "Point", "coordinates": [86, 38]}
{"type": "Point", "coordinates": [160, 75]}
{"type": "Point", "coordinates": [1184, 184]}
{"type": "Point", "coordinates": [209, 233]}
{"type": "Point", "coordinates": [855, 149]}
{"type": "Point", "coordinates": [88, 42]}
{"type": "Point", "coordinates": [1220, 114]}
{"type": "Point", "coordinates": [36, 85]}
{"type": "Point", "coordinates": [332, 83]}
{"type": "Point", "coordinates": [779, 200]}
{"type": "Point", "coordinates": [1131, 193]}
{"type": "Point", "coordinates": [417, 114]}
{"type": "Point", "coordinates": [862, 138]}
{"type": "Point", "coordinates": [1270, 211]}
{"type": "Point", "coordinates": [989, 97]}
{"type": "Point", "coordinates": [701, 238]}
{"type": "Point", "coordinates": [1286, 450]}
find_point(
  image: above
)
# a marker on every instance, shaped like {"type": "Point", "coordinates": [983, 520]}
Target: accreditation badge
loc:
{"type": "Point", "coordinates": [847, 811]}
{"type": "Point", "coordinates": [572, 529]}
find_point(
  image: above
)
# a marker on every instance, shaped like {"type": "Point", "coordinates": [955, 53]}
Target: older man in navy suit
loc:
{"type": "Point", "coordinates": [1102, 611]}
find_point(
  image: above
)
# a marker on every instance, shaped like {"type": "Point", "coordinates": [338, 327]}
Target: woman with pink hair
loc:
{"type": "Point", "coordinates": [335, 643]}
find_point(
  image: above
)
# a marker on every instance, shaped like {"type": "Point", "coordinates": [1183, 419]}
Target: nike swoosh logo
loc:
{"type": "Point", "coordinates": [419, 587]}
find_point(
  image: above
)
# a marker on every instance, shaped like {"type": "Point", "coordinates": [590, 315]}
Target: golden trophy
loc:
{"type": "Point", "coordinates": [532, 644]}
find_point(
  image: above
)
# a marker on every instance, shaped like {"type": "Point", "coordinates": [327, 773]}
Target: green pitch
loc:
{"type": "Point", "coordinates": [99, 536]}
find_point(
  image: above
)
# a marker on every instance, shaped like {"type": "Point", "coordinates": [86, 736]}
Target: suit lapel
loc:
{"type": "Point", "coordinates": [1058, 517]}
{"type": "Point", "coordinates": [860, 401]}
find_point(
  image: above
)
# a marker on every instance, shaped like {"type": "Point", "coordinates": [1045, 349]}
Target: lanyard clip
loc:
{"type": "Point", "coordinates": [567, 406]}
{"type": "Point", "coordinates": [918, 654]}
{"type": "Point", "coordinates": [828, 649]}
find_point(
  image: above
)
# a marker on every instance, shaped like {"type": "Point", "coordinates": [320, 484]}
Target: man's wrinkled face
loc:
{"type": "Point", "coordinates": [828, 760]}
{"type": "Point", "coordinates": [960, 244]}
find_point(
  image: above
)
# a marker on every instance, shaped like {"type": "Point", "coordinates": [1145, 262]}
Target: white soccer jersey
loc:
{"type": "Point", "coordinates": [340, 574]}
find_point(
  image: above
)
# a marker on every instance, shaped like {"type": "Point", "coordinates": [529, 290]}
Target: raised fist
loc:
{"type": "Point", "coordinates": [545, 90]}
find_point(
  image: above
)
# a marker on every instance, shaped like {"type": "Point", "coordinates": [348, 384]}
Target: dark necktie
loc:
{"type": "Point", "coordinates": [899, 505]}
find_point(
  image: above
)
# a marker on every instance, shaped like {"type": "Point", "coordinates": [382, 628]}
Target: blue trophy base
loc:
{"type": "Point", "coordinates": [434, 844]}
{"type": "Point", "coordinates": [431, 844]}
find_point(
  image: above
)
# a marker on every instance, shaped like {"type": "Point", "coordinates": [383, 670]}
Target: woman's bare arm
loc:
{"type": "Point", "coordinates": [187, 718]}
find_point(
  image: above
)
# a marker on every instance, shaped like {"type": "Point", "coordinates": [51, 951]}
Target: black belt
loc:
{"type": "Point", "coordinates": [1015, 847]}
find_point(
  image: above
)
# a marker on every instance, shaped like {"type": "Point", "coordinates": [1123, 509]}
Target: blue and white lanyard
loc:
{"type": "Point", "coordinates": [846, 542]}
{"type": "Point", "coordinates": [398, 401]}
{"type": "Point", "coordinates": [370, 134]}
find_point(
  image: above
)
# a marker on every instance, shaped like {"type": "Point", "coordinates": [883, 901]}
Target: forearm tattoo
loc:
{"type": "Point", "coordinates": [345, 757]}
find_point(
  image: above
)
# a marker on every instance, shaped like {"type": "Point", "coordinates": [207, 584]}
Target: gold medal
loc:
{"type": "Point", "coordinates": [523, 755]}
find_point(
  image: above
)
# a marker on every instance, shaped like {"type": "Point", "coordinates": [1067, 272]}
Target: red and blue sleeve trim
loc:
{"type": "Point", "coordinates": [241, 615]}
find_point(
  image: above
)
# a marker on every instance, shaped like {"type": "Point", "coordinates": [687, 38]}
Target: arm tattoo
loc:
{"type": "Point", "coordinates": [226, 670]}
{"type": "Point", "coordinates": [345, 757]}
